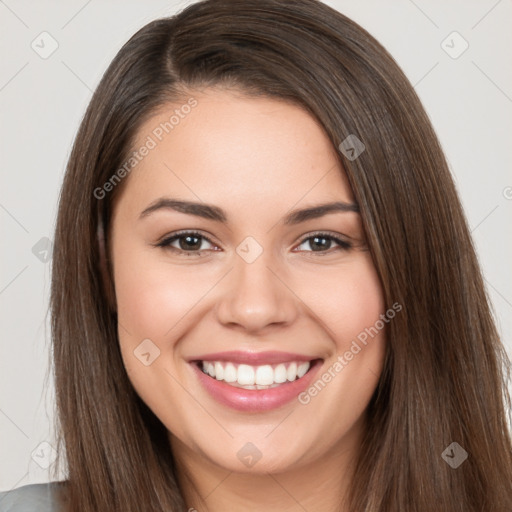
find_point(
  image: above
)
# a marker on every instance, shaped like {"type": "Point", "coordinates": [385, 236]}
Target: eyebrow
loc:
{"type": "Point", "coordinates": [215, 213]}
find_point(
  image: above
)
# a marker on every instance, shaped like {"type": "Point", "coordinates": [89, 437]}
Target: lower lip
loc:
{"type": "Point", "coordinates": [256, 400]}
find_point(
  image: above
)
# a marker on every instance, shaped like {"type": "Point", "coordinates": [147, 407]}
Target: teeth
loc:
{"type": "Point", "coordinates": [280, 374]}
{"type": "Point", "coordinates": [292, 372]}
{"type": "Point", "coordinates": [302, 369]}
{"type": "Point", "coordinates": [255, 377]}
{"type": "Point", "coordinates": [245, 375]}
{"type": "Point", "coordinates": [264, 375]}
{"type": "Point", "coordinates": [230, 373]}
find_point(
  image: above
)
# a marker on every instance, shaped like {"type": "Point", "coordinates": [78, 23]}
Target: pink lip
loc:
{"type": "Point", "coordinates": [257, 400]}
{"type": "Point", "coordinates": [253, 358]}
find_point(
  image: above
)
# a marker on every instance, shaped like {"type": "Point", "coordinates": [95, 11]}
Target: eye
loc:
{"type": "Point", "coordinates": [188, 243]}
{"type": "Point", "coordinates": [322, 242]}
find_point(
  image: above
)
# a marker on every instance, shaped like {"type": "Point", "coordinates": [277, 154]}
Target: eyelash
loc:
{"type": "Point", "coordinates": [165, 243]}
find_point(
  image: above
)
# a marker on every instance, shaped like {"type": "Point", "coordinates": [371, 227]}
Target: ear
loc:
{"type": "Point", "coordinates": [107, 281]}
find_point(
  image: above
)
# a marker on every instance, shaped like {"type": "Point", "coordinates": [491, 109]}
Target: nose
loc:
{"type": "Point", "coordinates": [256, 296]}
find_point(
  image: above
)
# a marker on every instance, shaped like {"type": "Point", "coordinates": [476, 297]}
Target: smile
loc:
{"type": "Point", "coordinates": [255, 382]}
{"type": "Point", "coordinates": [255, 377]}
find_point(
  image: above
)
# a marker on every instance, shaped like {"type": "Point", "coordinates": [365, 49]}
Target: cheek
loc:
{"type": "Point", "coordinates": [351, 307]}
{"type": "Point", "coordinates": [154, 301]}
{"type": "Point", "coordinates": [153, 297]}
{"type": "Point", "coordinates": [349, 301]}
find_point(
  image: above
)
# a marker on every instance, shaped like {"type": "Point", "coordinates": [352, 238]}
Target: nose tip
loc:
{"type": "Point", "coordinates": [254, 296]}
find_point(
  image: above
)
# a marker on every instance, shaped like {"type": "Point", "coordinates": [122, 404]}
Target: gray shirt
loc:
{"type": "Point", "coordinates": [31, 498]}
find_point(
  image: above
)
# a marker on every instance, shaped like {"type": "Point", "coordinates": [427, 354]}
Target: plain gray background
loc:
{"type": "Point", "coordinates": [467, 96]}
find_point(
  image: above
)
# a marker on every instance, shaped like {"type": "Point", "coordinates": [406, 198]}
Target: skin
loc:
{"type": "Point", "coordinates": [257, 159]}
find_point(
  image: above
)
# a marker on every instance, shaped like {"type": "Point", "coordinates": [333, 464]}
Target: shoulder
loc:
{"type": "Point", "coordinates": [33, 498]}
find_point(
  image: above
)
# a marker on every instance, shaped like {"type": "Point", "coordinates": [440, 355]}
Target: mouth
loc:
{"type": "Point", "coordinates": [255, 382]}
{"type": "Point", "coordinates": [245, 376]}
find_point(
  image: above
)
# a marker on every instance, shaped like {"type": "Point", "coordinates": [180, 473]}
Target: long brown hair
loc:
{"type": "Point", "coordinates": [446, 372]}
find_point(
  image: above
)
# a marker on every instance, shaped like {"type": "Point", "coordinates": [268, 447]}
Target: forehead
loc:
{"type": "Point", "coordinates": [231, 148]}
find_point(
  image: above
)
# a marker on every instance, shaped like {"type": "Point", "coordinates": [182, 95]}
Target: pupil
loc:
{"type": "Point", "coordinates": [318, 242]}
{"type": "Point", "coordinates": [324, 245]}
{"type": "Point", "coordinates": [192, 245]}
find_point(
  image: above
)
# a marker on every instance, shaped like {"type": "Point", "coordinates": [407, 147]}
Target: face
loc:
{"type": "Point", "coordinates": [245, 312]}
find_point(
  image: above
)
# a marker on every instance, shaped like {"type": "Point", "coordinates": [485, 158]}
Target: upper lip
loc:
{"type": "Point", "coordinates": [253, 358]}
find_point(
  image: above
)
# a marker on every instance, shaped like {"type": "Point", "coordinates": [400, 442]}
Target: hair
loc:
{"type": "Point", "coordinates": [446, 371]}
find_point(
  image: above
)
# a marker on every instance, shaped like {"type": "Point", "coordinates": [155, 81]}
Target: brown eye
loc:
{"type": "Point", "coordinates": [187, 242]}
{"type": "Point", "coordinates": [322, 242]}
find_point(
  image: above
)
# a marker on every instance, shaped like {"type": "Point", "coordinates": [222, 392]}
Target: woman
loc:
{"type": "Point", "coordinates": [264, 291]}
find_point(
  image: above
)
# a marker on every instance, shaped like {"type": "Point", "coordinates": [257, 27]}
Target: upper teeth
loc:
{"type": "Point", "coordinates": [253, 377]}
